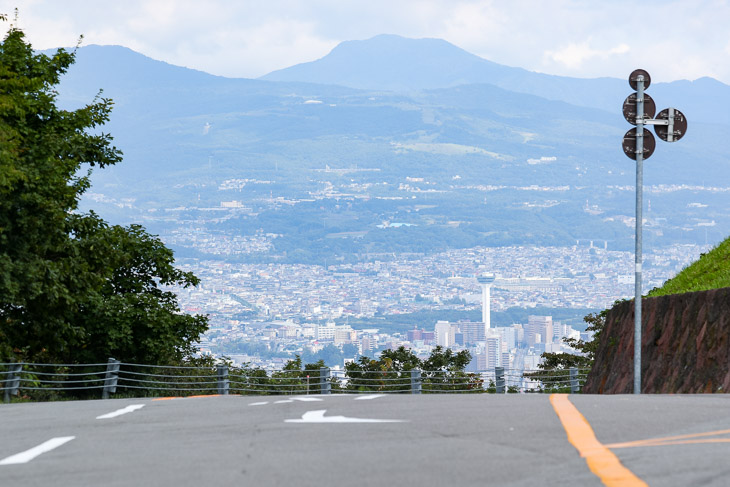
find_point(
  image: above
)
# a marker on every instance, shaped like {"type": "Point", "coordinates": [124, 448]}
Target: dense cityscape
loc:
{"type": "Point", "coordinates": [265, 314]}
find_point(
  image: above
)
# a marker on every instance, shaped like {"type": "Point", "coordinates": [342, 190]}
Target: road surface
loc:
{"type": "Point", "coordinates": [346, 440]}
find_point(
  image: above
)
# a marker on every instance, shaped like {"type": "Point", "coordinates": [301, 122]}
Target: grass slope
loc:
{"type": "Point", "coordinates": [710, 271]}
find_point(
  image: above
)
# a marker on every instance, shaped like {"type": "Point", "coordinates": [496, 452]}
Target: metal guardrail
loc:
{"type": "Point", "coordinates": [51, 381]}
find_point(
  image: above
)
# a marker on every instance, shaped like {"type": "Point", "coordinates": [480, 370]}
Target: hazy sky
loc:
{"type": "Point", "coordinates": [684, 39]}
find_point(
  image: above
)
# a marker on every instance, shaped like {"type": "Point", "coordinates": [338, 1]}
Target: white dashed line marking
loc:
{"type": "Point", "coordinates": [302, 399]}
{"type": "Point", "coordinates": [119, 412]}
{"type": "Point", "coordinates": [367, 398]}
{"type": "Point", "coordinates": [28, 455]}
{"type": "Point", "coordinates": [262, 403]}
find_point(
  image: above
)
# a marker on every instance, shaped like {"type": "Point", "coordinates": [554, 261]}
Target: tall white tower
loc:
{"type": "Point", "coordinates": [486, 281]}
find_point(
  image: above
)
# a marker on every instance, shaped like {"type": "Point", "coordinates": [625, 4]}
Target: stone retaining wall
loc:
{"type": "Point", "coordinates": [685, 346]}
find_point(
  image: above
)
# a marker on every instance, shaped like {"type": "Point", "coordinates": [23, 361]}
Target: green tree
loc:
{"type": "Point", "coordinates": [330, 355]}
{"type": "Point", "coordinates": [132, 315]}
{"type": "Point", "coordinates": [390, 373]}
{"type": "Point", "coordinates": [444, 359]}
{"type": "Point", "coordinates": [295, 376]}
{"type": "Point", "coordinates": [442, 371]}
{"type": "Point", "coordinates": [401, 359]}
{"type": "Point", "coordinates": [586, 349]}
{"type": "Point", "coordinates": [72, 287]}
{"type": "Point", "coordinates": [554, 372]}
{"type": "Point", "coordinates": [349, 350]}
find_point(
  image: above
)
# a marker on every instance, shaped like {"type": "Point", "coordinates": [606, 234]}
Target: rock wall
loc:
{"type": "Point", "coordinates": [685, 346]}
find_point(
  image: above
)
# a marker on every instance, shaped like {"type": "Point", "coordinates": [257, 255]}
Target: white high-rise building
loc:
{"type": "Point", "coordinates": [473, 331]}
{"type": "Point", "coordinates": [542, 326]}
{"type": "Point", "coordinates": [444, 334]}
{"type": "Point", "coordinates": [494, 351]}
{"type": "Point", "coordinates": [505, 355]}
{"type": "Point", "coordinates": [519, 333]}
{"type": "Point", "coordinates": [509, 336]}
{"type": "Point", "coordinates": [486, 281]}
{"type": "Point", "coordinates": [326, 332]}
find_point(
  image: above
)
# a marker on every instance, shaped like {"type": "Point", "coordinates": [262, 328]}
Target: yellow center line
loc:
{"type": "Point", "coordinates": [655, 441]}
{"type": "Point", "coordinates": [665, 443]}
{"type": "Point", "coordinates": [680, 442]}
{"type": "Point", "coordinates": [602, 461]}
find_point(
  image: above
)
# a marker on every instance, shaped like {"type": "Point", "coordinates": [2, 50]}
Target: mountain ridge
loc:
{"type": "Point", "coordinates": [416, 64]}
{"type": "Point", "coordinates": [355, 63]}
{"type": "Point", "coordinates": [698, 99]}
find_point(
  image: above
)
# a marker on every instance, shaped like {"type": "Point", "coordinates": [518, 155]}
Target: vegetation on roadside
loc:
{"type": "Point", "coordinates": [442, 371]}
{"type": "Point", "coordinates": [710, 271]}
{"type": "Point", "coordinates": [560, 362]}
{"type": "Point", "coordinates": [73, 288]}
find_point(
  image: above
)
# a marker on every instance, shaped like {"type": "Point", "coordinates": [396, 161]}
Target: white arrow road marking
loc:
{"type": "Point", "coordinates": [319, 417]}
{"type": "Point", "coordinates": [119, 412]}
{"type": "Point", "coordinates": [28, 455]}
{"type": "Point", "coordinates": [367, 398]}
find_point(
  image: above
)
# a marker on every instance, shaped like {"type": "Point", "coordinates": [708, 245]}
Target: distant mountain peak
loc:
{"type": "Point", "coordinates": [390, 41]}
{"type": "Point", "coordinates": [392, 62]}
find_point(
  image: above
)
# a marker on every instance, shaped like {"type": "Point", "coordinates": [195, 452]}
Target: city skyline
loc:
{"type": "Point", "coordinates": [293, 309]}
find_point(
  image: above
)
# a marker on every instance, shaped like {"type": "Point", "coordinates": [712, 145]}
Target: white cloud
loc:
{"type": "Point", "coordinates": [473, 24]}
{"type": "Point", "coordinates": [254, 51]}
{"type": "Point", "coordinates": [573, 56]}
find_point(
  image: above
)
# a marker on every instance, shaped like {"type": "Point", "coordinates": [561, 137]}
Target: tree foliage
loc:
{"type": "Point", "coordinates": [330, 355]}
{"type": "Point", "coordinates": [72, 287]}
{"type": "Point", "coordinates": [586, 349]}
{"type": "Point", "coordinates": [442, 371]}
{"type": "Point", "coordinates": [554, 374]}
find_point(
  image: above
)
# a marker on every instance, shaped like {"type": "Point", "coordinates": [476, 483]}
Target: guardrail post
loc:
{"type": "Point", "coordinates": [12, 383]}
{"type": "Point", "coordinates": [223, 382]}
{"type": "Point", "coordinates": [415, 381]}
{"type": "Point", "coordinates": [324, 380]}
{"type": "Point", "coordinates": [499, 380]}
{"type": "Point", "coordinates": [574, 385]}
{"type": "Point", "coordinates": [110, 379]}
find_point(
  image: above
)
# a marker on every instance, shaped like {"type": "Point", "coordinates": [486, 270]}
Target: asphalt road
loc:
{"type": "Point", "coordinates": [407, 440]}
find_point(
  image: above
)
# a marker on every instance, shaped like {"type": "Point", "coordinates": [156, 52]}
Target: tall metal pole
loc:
{"type": "Point", "coordinates": [670, 125]}
{"type": "Point", "coordinates": [639, 225]}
